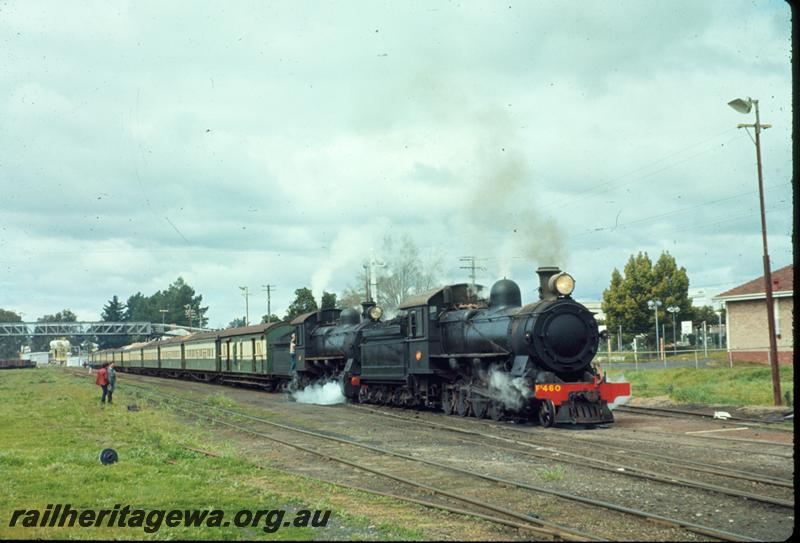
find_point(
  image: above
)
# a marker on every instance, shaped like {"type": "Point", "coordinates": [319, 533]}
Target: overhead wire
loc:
{"type": "Point", "coordinates": [614, 182]}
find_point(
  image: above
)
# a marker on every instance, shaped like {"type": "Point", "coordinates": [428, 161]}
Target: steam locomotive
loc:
{"type": "Point", "coordinates": [446, 349]}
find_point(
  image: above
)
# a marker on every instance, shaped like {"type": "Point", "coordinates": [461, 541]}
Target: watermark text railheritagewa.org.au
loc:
{"type": "Point", "coordinates": [151, 521]}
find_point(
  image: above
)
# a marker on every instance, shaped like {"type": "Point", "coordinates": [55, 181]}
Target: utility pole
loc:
{"type": "Point", "coordinates": [246, 294]}
{"type": "Point", "coordinates": [163, 314]}
{"type": "Point", "coordinates": [371, 294]}
{"type": "Point", "coordinates": [472, 267]}
{"type": "Point", "coordinates": [368, 281]}
{"type": "Point", "coordinates": [744, 106]}
{"type": "Point", "coordinates": [190, 313]}
{"type": "Point", "coordinates": [268, 289]}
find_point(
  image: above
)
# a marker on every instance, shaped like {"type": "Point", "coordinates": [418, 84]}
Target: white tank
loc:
{"type": "Point", "coordinates": [59, 345]}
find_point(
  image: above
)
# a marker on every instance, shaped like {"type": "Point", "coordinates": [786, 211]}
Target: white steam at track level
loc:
{"type": "Point", "coordinates": [510, 391]}
{"type": "Point", "coordinates": [329, 393]}
{"type": "Point", "coordinates": [621, 399]}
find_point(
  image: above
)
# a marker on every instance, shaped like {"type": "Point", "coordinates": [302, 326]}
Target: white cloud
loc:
{"type": "Point", "coordinates": [252, 143]}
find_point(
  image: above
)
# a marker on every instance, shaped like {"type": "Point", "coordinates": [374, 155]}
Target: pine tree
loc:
{"type": "Point", "coordinates": [328, 300]}
{"type": "Point", "coordinates": [303, 303]}
{"type": "Point", "coordinates": [114, 311]}
{"type": "Point", "coordinates": [625, 300]}
{"type": "Point", "coordinates": [10, 346]}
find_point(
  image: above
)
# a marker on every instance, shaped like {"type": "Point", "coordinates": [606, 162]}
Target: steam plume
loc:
{"type": "Point", "coordinates": [329, 393]}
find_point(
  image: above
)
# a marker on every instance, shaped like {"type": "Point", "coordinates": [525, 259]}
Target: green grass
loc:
{"type": "Point", "coordinates": [744, 384]}
{"type": "Point", "coordinates": [554, 473]}
{"type": "Point", "coordinates": [54, 429]}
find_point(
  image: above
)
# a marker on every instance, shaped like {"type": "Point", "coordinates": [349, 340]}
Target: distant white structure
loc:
{"type": "Point", "coordinates": [41, 358]}
{"type": "Point", "coordinates": [596, 307]}
{"type": "Point", "coordinates": [76, 360]}
{"type": "Point", "coordinates": [703, 296]}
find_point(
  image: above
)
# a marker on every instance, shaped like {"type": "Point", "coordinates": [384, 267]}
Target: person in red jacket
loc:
{"type": "Point", "coordinates": [102, 381]}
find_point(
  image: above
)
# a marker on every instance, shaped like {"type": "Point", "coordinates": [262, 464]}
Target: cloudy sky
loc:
{"type": "Point", "coordinates": [245, 143]}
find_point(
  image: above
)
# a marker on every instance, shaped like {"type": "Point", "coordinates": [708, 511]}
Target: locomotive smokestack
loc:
{"type": "Point", "coordinates": [545, 273]}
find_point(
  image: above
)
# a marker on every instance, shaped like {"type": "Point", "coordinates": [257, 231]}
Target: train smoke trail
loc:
{"type": "Point", "coordinates": [329, 393]}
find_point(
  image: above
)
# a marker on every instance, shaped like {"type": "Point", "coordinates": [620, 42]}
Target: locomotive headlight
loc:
{"type": "Point", "coordinates": [564, 283]}
{"type": "Point", "coordinates": [375, 312]}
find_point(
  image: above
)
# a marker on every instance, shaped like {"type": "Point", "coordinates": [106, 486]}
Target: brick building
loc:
{"type": "Point", "coordinates": [746, 310]}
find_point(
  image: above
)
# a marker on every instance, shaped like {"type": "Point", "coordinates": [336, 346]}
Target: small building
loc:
{"type": "Point", "coordinates": [746, 317]}
{"type": "Point", "coordinates": [596, 307]}
{"type": "Point", "coordinates": [40, 358]}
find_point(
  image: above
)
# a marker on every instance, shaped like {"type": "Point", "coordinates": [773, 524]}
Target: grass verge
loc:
{"type": "Point", "coordinates": [54, 429]}
{"type": "Point", "coordinates": [744, 384]}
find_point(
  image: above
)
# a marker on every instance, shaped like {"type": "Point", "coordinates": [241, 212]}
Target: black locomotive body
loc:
{"type": "Point", "coordinates": [448, 349]}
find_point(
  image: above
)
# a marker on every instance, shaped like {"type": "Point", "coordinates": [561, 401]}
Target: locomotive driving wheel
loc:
{"type": "Point", "coordinates": [480, 405]}
{"type": "Point", "coordinates": [462, 402]}
{"type": "Point", "coordinates": [547, 413]}
{"type": "Point", "coordinates": [447, 401]}
{"type": "Point", "coordinates": [495, 410]}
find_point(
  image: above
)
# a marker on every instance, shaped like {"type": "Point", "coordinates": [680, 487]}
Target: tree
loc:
{"type": "Point", "coordinates": [707, 313]}
{"type": "Point", "coordinates": [137, 308]}
{"type": "Point", "coordinates": [671, 285]}
{"type": "Point", "coordinates": [42, 343]}
{"type": "Point", "coordinates": [10, 346]}
{"type": "Point", "coordinates": [114, 311]}
{"type": "Point", "coordinates": [625, 300]}
{"type": "Point", "coordinates": [272, 318]}
{"type": "Point", "coordinates": [237, 323]}
{"type": "Point", "coordinates": [179, 297]}
{"type": "Point", "coordinates": [404, 274]}
{"type": "Point", "coordinates": [328, 300]}
{"type": "Point", "coordinates": [303, 303]}
{"type": "Point", "coordinates": [174, 300]}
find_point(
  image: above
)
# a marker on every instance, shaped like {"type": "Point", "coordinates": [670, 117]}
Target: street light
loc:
{"type": "Point", "coordinates": [674, 310]}
{"type": "Point", "coordinates": [654, 305]}
{"type": "Point", "coordinates": [744, 106]}
{"type": "Point", "coordinates": [163, 313]}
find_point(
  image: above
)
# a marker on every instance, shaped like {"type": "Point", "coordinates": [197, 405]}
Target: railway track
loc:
{"type": "Point", "coordinates": [518, 520]}
{"type": "Point", "coordinates": [562, 532]}
{"type": "Point", "coordinates": [552, 452]}
{"type": "Point", "coordinates": [670, 412]}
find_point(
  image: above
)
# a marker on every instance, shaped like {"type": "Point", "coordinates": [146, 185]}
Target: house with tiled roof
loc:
{"type": "Point", "coordinates": [746, 315]}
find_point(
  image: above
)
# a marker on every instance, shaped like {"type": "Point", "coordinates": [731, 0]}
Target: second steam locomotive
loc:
{"type": "Point", "coordinates": [447, 349]}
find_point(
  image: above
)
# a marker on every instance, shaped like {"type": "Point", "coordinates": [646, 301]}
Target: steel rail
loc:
{"type": "Point", "coordinates": [629, 470]}
{"type": "Point", "coordinates": [724, 439]}
{"type": "Point", "coordinates": [533, 524]}
{"type": "Point", "coordinates": [664, 411]}
{"type": "Point", "coordinates": [667, 521]}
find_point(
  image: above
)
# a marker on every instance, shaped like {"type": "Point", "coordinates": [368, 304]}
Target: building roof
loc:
{"type": "Point", "coordinates": [782, 284]}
